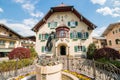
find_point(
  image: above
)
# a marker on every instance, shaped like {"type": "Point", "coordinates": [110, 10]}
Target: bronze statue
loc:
{"type": "Point", "coordinates": [49, 44]}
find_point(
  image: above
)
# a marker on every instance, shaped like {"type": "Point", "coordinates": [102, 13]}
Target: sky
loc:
{"type": "Point", "coordinates": [22, 15]}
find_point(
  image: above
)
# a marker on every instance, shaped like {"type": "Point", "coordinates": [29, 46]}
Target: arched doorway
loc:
{"type": "Point", "coordinates": [62, 50]}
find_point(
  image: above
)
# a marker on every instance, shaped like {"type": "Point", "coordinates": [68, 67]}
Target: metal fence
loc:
{"type": "Point", "coordinates": [90, 68]}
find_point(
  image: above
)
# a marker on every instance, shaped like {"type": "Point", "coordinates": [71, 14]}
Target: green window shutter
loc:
{"type": "Point", "coordinates": [48, 24]}
{"type": "Point", "coordinates": [79, 35]}
{"type": "Point", "coordinates": [46, 36]}
{"type": "Point", "coordinates": [68, 23]}
{"type": "Point", "coordinates": [83, 49]}
{"type": "Point", "coordinates": [42, 50]}
{"type": "Point", "coordinates": [75, 48]}
{"type": "Point", "coordinates": [71, 35]}
{"type": "Point", "coordinates": [76, 23]}
{"type": "Point", "coordinates": [55, 24]}
{"type": "Point", "coordinates": [87, 34]}
{"type": "Point", "coordinates": [39, 36]}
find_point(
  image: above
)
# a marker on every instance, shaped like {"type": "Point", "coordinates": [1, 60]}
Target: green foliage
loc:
{"type": "Point", "coordinates": [12, 64]}
{"type": "Point", "coordinates": [91, 50]}
{"type": "Point", "coordinates": [33, 53]}
{"type": "Point", "coordinates": [106, 61]}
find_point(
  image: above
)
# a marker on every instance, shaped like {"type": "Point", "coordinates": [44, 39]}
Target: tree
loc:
{"type": "Point", "coordinates": [91, 50]}
{"type": "Point", "coordinates": [33, 52]}
{"type": "Point", "coordinates": [107, 53]}
{"type": "Point", "coordinates": [20, 53]}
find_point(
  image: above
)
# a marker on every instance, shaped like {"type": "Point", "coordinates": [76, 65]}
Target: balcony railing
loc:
{"type": "Point", "coordinates": [2, 45]}
{"type": "Point", "coordinates": [11, 46]}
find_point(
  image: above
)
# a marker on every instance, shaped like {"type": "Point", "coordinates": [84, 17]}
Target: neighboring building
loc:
{"type": "Point", "coordinates": [112, 35]}
{"type": "Point", "coordinates": [8, 40]}
{"type": "Point", "coordinates": [73, 31]}
{"type": "Point", "coordinates": [28, 42]}
{"type": "Point", "coordinates": [100, 42]}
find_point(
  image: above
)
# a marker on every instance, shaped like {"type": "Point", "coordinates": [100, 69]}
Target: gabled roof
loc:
{"type": "Point", "coordinates": [109, 28]}
{"type": "Point", "coordinates": [63, 8]}
{"type": "Point", "coordinates": [4, 26]}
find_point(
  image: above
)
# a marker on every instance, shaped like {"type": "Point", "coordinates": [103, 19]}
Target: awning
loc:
{"type": "Point", "coordinates": [5, 50]}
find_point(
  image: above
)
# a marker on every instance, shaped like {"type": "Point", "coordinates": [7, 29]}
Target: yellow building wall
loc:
{"type": "Point", "coordinates": [6, 33]}
{"type": "Point", "coordinates": [113, 37]}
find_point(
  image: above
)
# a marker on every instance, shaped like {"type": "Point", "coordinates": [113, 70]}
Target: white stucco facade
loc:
{"type": "Point", "coordinates": [68, 43]}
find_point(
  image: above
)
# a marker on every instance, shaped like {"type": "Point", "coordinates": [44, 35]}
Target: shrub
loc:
{"type": "Point", "coordinates": [11, 64]}
{"type": "Point", "coordinates": [20, 53]}
{"type": "Point", "coordinates": [107, 53]}
{"type": "Point", "coordinates": [91, 50]}
{"type": "Point", "coordinates": [33, 53]}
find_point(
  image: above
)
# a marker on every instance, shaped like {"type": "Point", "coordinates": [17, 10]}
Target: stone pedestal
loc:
{"type": "Point", "coordinates": [49, 72]}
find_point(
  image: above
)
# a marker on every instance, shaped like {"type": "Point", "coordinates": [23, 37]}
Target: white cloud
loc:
{"type": "Point", "coordinates": [114, 12]}
{"type": "Point", "coordinates": [101, 2]}
{"type": "Point", "coordinates": [19, 1]}
{"type": "Point", "coordinates": [37, 14]}
{"type": "Point", "coordinates": [3, 21]}
{"type": "Point", "coordinates": [30, 22]}
{"type": "Point", "coordinates": [116, 3]}
{"type": "Point", "coordinates": [1, 10]}
{"type": "Point", "coordinates": [29, 6]}
{"type": "Point", "coordinates": [98, 31]}
{"type": "Point", "coordinates": [104, 11]}
{"type": "Point", "coordinates": [23, 29]}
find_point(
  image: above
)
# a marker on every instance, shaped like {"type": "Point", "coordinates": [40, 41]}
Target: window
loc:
{"type": "Point", "coordinates": [73, 23]}
{"type": "Point", "coordinates": [43, 36]}
{"type": "Point", "coordinates": [113, 32]}
{"type": "Point", "coordinates": [73, 35]}
{"type": "Point", "coordinates": [79, 48]}
{"type": "Point", "coordinates": [117, 41]}
{"type": "Point", "coordinates": [80, 35]}
{"type": "Point", "coordinates": [85, 35]}
{"type": "Point", "coordinates": [10, 35]}
{"type": "Point", "coordinates": [52, 24]}
{"type": "Point", "coordinates": [110, 43]}
{"type": "Point", "coordinates": [12, 44]}
{"type": "Point", "coordinates": [2, 42]}
{"type": "Point", "coordinates": [62, 33]}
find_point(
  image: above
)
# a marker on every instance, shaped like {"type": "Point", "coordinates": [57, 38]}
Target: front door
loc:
{"type": "Point", "coordinates": [62, 50]}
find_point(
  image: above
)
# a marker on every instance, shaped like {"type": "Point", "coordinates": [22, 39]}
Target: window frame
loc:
{"type": "Point", "coordinates": [52, 25]}
{"type": "Point", "coordinates": [2, 42]}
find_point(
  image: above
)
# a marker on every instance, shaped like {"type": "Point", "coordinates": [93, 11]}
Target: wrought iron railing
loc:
{"type": "Point", "coordinates": [90, 68]}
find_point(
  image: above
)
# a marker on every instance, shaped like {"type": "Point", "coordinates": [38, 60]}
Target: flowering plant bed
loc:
{"type": "Point", "coordinates": [20, 77]}
{"type": "Point", "coordinates": [80, 76]}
